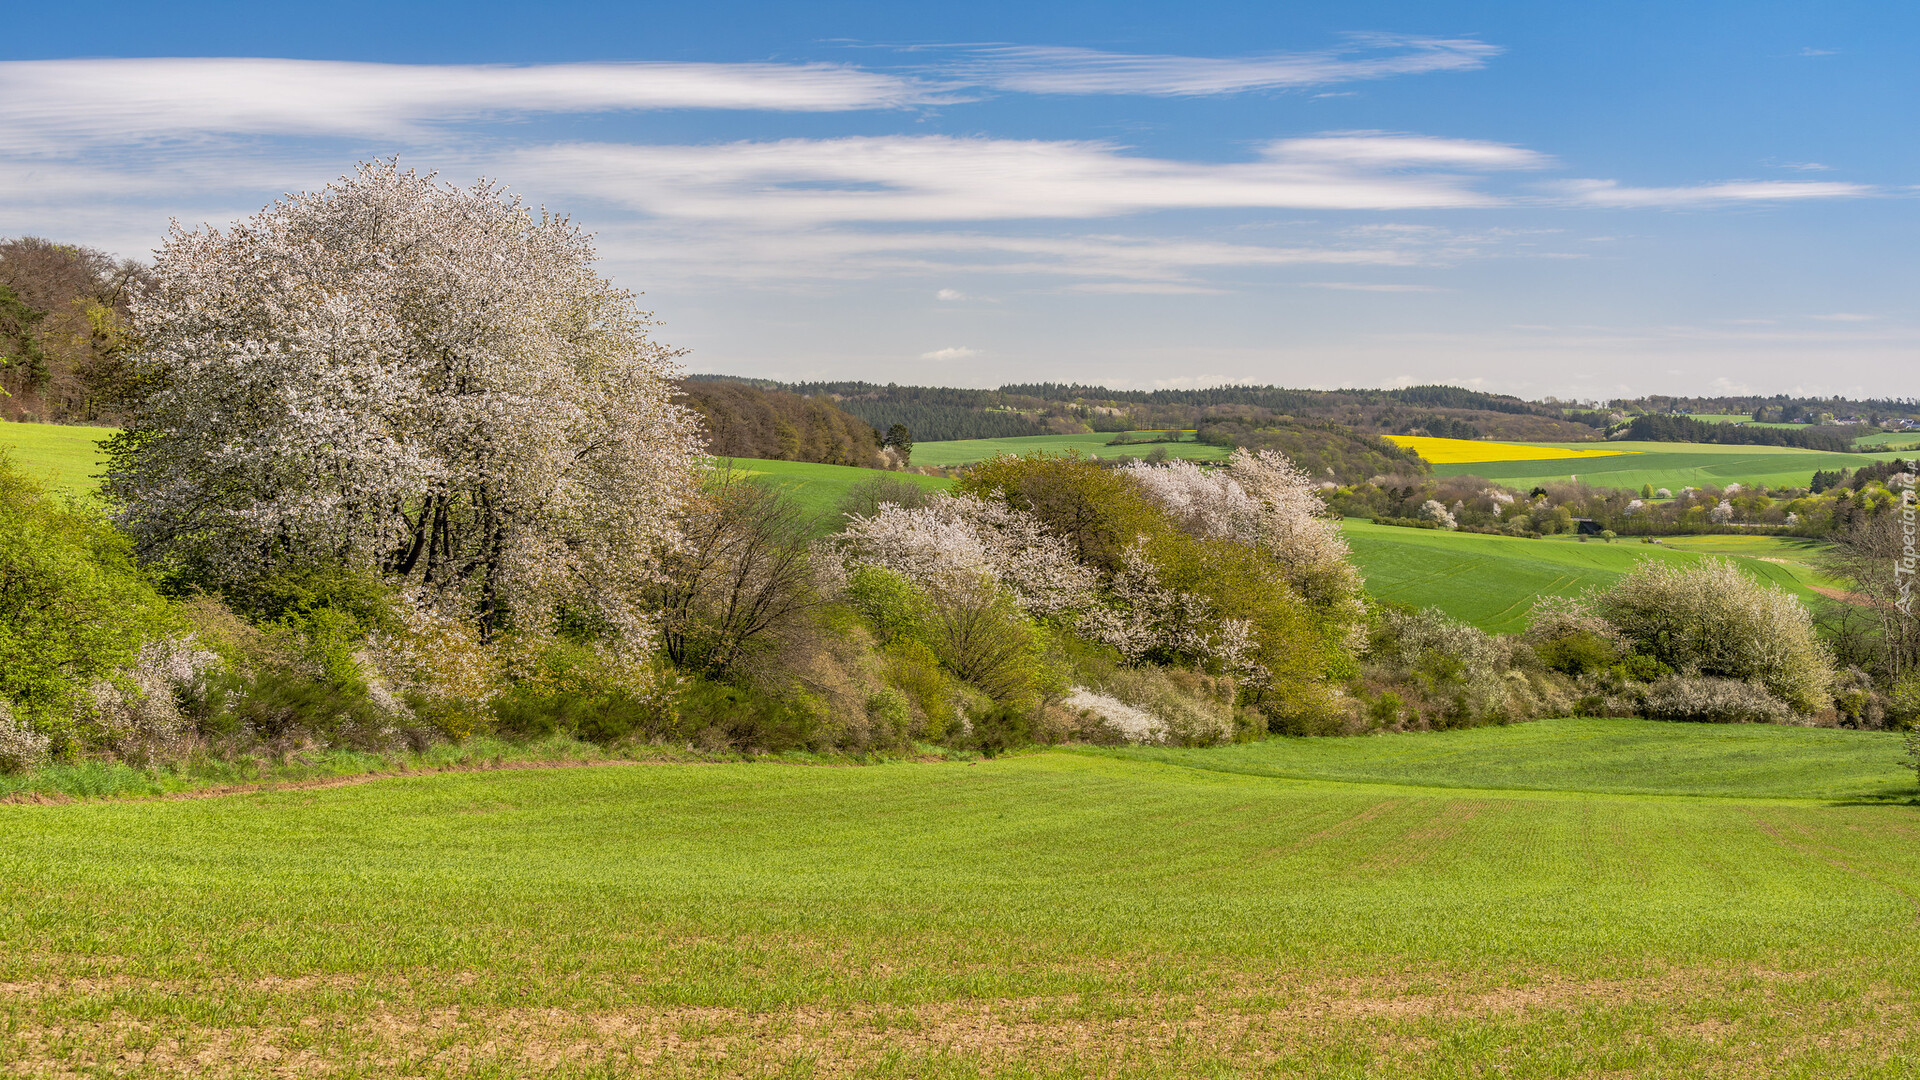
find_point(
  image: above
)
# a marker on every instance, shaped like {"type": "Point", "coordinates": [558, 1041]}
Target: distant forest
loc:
{"type": "Point", "coordinates": [1659, 428]}
{"type": "Point", "coordinates": [747, 421]}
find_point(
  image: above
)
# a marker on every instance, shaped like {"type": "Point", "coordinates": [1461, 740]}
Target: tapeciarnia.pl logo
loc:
{"type": "Point", "coordinates": [1904, 566]}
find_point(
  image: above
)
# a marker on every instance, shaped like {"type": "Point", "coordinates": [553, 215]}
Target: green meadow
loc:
{"type": "Point", "coordinates": [968, 451]}
{"type": "Point", "coordinates": [1491, 581]}
{"type": "Point", "coordinates": [1478, 903]}
{"type": "Point", "coordinates": [1669, 465]}
{"type": "Point", "coordinates": [66, 458]}
{"type": "Point", "coordinates": [819, 488]}
{"type": "Point", "coordinates": [1891, 440]}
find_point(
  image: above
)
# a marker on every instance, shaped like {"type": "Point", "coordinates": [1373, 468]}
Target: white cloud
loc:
{"type": "Point", "coordinates": [1843, 316]}
{"type": "Point", "coordinates": [950, 295]}
{"type": "Point", "coordinates": [1611, 193]}
{"type": "Point", "coordinates": [954, 352]}
{"type": "Point", "coordinates": [942, 178]}
{"type": "Point", "coordinates": [1056, 70]}
{"type": "Point", "coordinates": [59, 102]}
{"type": "Point", "coordinates": [1397, 150]}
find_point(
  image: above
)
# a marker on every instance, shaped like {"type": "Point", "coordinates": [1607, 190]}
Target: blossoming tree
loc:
{"type": "Point", "coordinates": [399, 376]}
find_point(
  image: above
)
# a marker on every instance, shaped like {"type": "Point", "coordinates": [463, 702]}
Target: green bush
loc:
{"type": "Point", "coordinates": [1003, 727]}
{"type": "Point", "coordinates": [1640, 667]}
{"type": "Point", "coordinates": [893, 607]}
{"type": "Point", "coordinates": [1577, 653]}
{"type": "Point", "coordinates": [74, 609]}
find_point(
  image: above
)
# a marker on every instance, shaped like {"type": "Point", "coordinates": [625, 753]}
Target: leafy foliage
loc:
{"type": "Point", "coordinates": [74, 608]}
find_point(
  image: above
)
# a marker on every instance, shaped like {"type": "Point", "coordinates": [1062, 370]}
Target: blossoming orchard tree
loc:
{"type": "Point", "coordinates": [397, 376]}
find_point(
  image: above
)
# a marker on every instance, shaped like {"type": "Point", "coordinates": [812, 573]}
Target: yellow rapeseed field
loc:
{"type": "Point", "coordinates": [1452, 451]}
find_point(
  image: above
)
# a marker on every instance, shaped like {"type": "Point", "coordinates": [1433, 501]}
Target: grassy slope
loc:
{"type": "Point", "coordinates": [967, 451]}
{"type": "Point", "coordinates": [1890, 440]}
{"type": "Point", "coordinates": [819, 488]}
{"type": "Point", "coordinates": [1643, 757]}
{"type": "Point", "coordinates": [1491, 581]}
{"type": "Point", "coordinates": [1670, 465]}
{"type": "Point", "coordinates": [66, 458]}
{"type": "Point", "coordinates": [1060, 914]}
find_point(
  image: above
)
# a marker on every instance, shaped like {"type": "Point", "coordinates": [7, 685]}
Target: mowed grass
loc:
{"type": "Point", "coordinates": [1061, 914]}
{"type": "Point", "coordinates": [65, 458]}
{"type": "Point", "coordinates": [967, 451]}
{"type": "Point", "coordinates": [1668, 465]}
{"type": "Point", "coordinates": [1492, 581]}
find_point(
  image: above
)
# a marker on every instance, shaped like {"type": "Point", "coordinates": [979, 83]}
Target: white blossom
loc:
{"type": "Point", "coordinates": [1435, 511]}
{"type": "Point", "coordinates": [1265, 501]}
{"type": "Point", "coordinates": [411, 379]}
{"type": "Point", "coordinates": [963, 536]}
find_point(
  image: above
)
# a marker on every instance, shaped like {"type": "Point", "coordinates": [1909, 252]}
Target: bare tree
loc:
{"type": "Point", "coordinates": [1867, 556]}
{"type": "Point", "coordinates": [743, 573]}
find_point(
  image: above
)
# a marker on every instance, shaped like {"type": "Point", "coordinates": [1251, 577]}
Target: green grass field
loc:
{"type": "Point", "coordinates": [819, 488]}
{"type": "Point", "coordinates": [1491, 581]}
{"type": "Point", "coordinates": [1891, 440]}
{"type": "Point", "coordinates": [63, 457]}
{"type": "Point", "coordinates": [67, 459]}
{"type": "Point", "coordinates": [1669, 465]}
{"type": "Point", "coordinates": [967, 451]}
{"type": "Point", "coordinates": [1438, 905]}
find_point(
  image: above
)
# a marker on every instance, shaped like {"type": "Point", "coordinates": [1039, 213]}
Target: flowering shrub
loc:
{"type": "Point", "coordinates": [1713, 700]}
{"type": "Point", "coordinates": [952, 539]}
{"type": "Point", "coordinates": [1711, 619]}
{"type": "Point", "coordinates": [21, 748]}
{"type": "Point", "coordinates": [1426, 670]}
{"type": "Point", "coordinates": [1264, 501]}
{"type": "Point", "coordinates": [408, 379]}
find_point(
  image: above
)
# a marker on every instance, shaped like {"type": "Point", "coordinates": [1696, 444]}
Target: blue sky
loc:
{"type": "Point", "coordinates": [1579, 200]}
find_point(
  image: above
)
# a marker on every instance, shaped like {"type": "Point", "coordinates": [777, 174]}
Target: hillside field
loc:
{"type": "Point", "coordinates": [967, 451]}
{"type": "Point", "coordinates": [65, 458]}
{"type": "Point", "coordinates": [1438, 905]}
{"type": "Point", "coordinates": [819, 488]}
{"type": "Point", "coordinates": [1668, 465]}
{"type": "Point", "coordinates": [1491, 581]}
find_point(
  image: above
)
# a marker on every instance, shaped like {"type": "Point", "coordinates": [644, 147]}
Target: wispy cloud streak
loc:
{"type": "Point", "coordinates": [1057, 70]}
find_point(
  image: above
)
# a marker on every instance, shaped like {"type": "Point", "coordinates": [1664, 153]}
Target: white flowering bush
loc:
{"type": "Point", "coordinates": [1265, 501]}
{"type": "Point", "coordinates": [409, 379]}
{"type": "Point", "coordinates": [21, 748]}
{"type": "Point", "coordinates": [1435, 511]}
{"type": "Point", "coordinates": [1159, 706]}
{"type": "Point", "coordinates": [957, 538]}
{"type": "Point", "coordinates": [1712, 700]}
{"type": "Point", "coordinates": [136, 713]}
{"type": "Point", "coordinates": [1710, 618]}
{"type": "Point", "coordinates": [1147, 619]}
